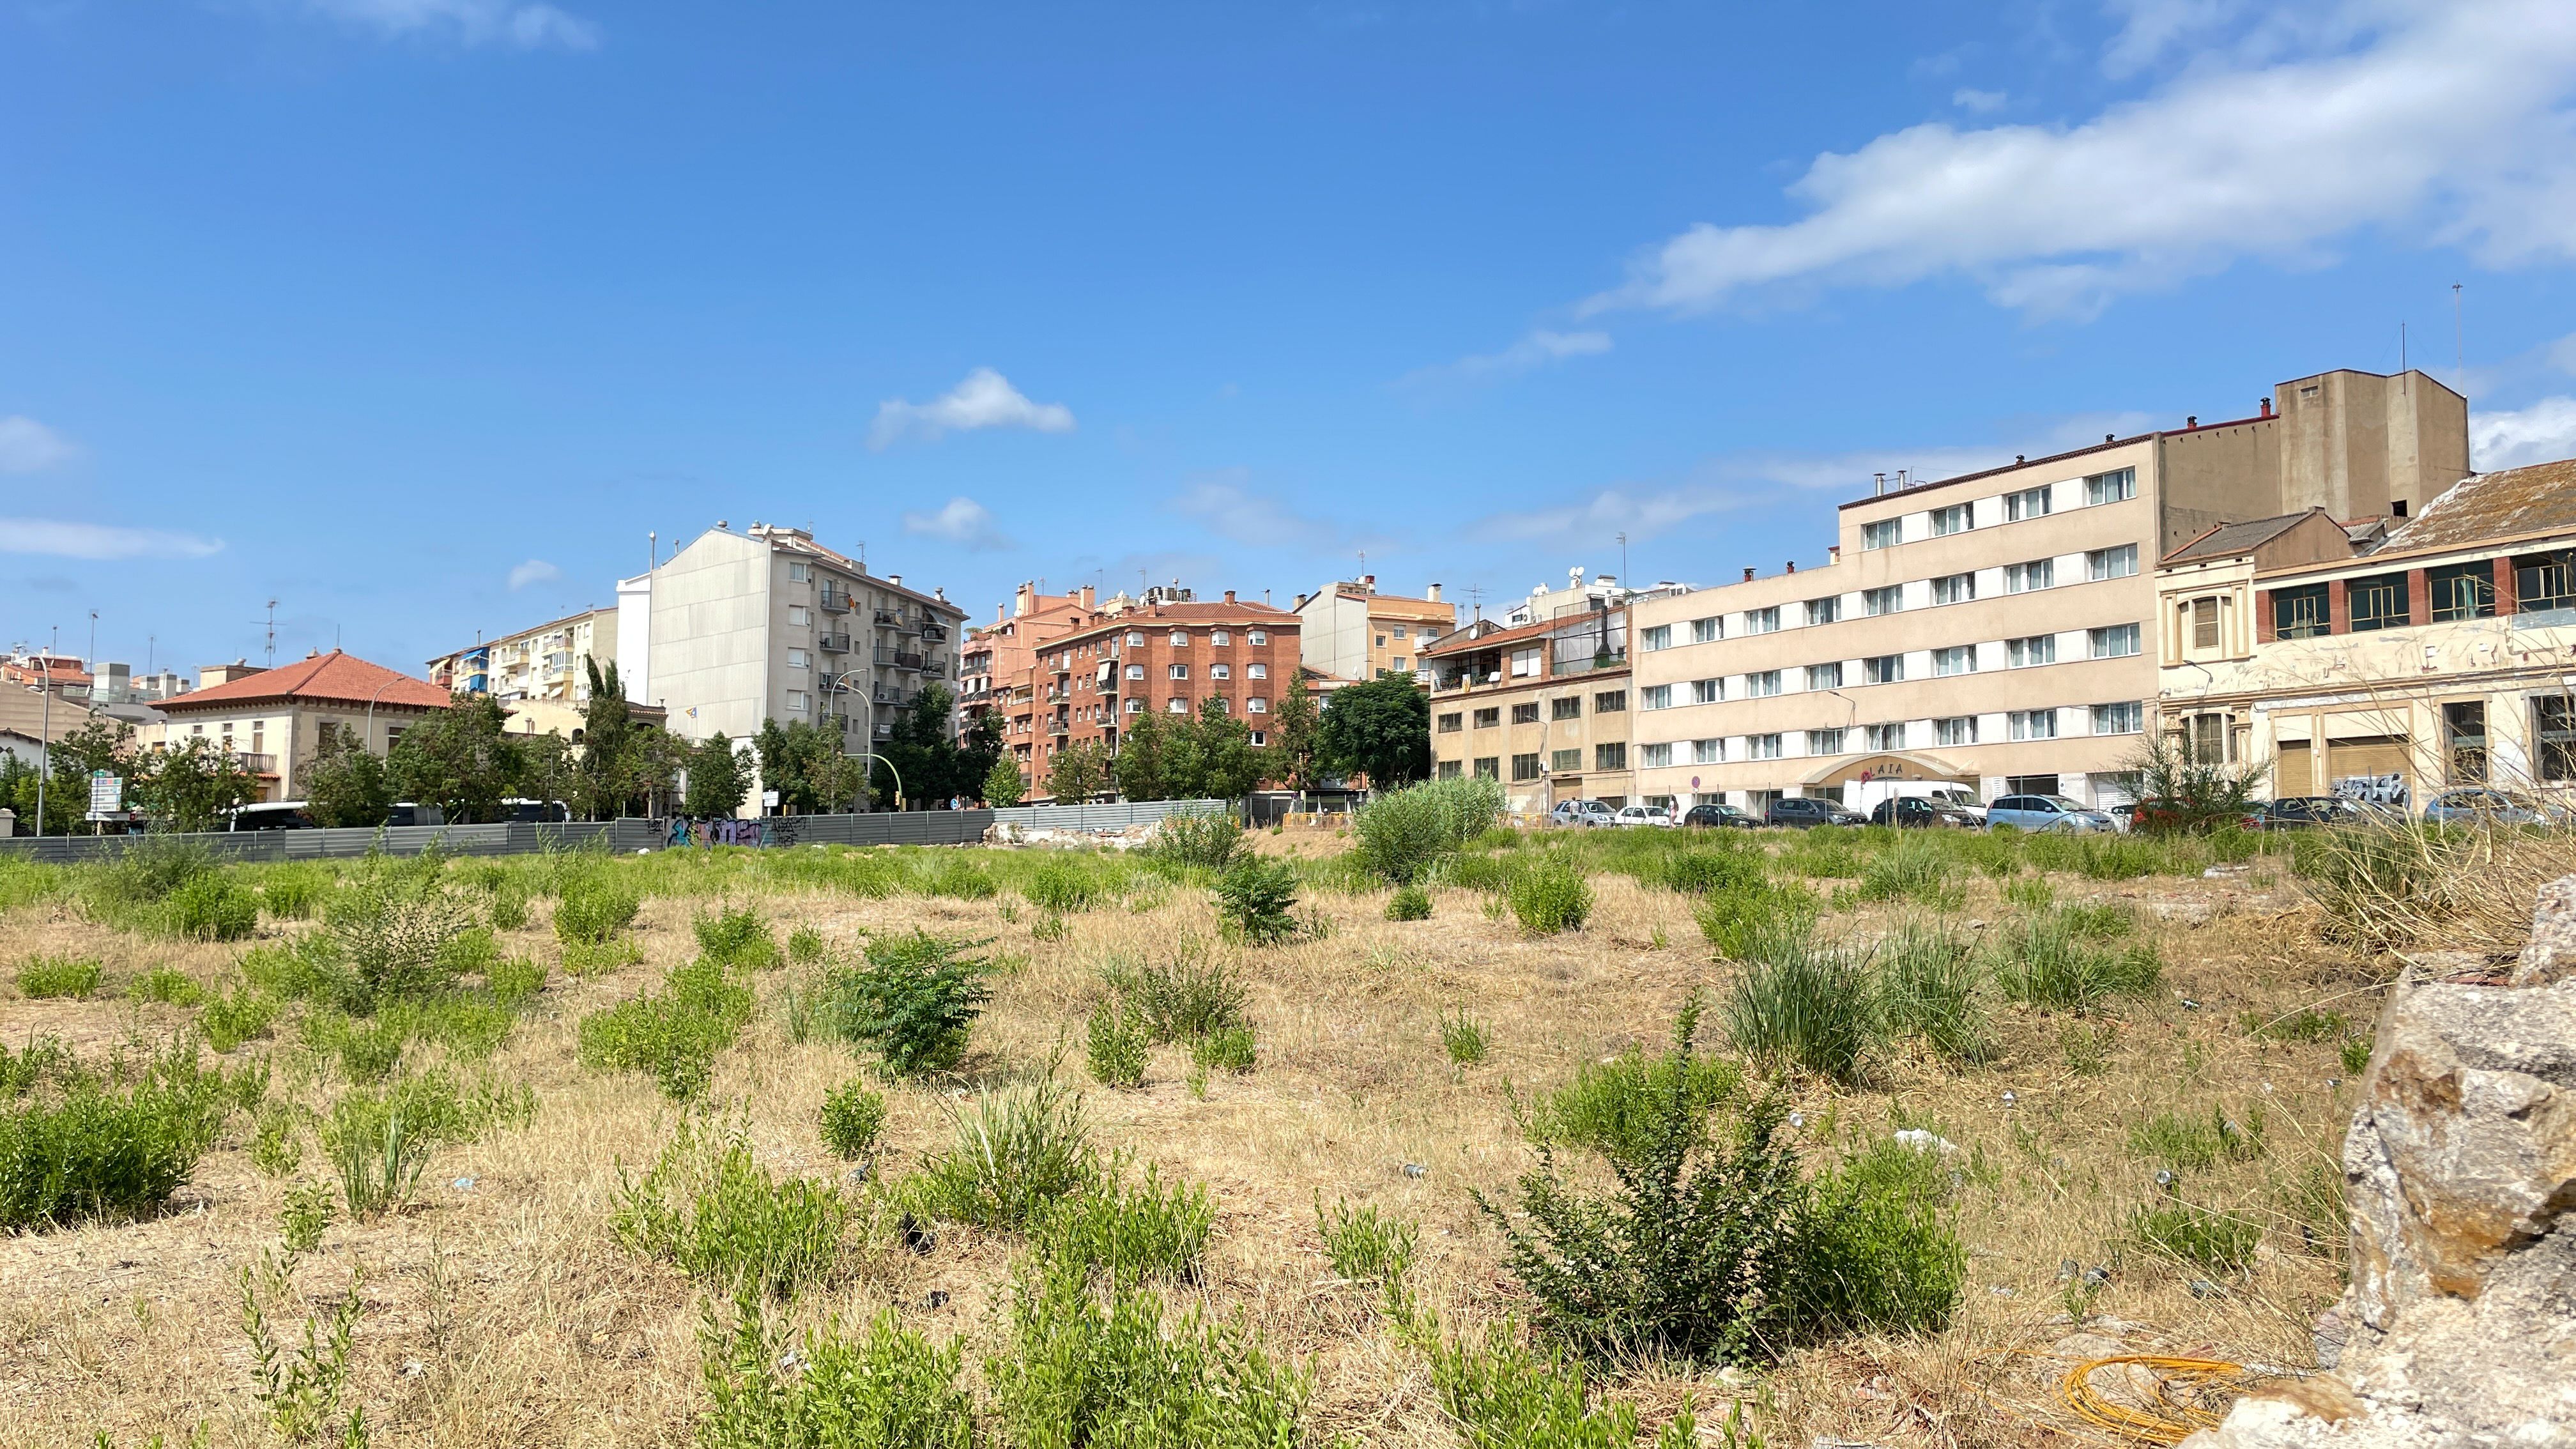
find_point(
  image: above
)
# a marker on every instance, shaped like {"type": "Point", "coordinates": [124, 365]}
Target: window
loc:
{"type": "Point", "coordinates": [1570, 707]}
{"type": "Point", "coordinates": [2022, 578]}
{"type": "Point", "coordinates": [2201, 616]}
{"type": "Point", "coordinates": [2205, 739]}
{"type": "Point", "coordinates": [1525, 767]}
{"type": "Point", "coordinates": [1824, 611]}
{"type": "Point", "coordinates": [2028, 503]}
{"type": "Point", "coordinates": [1761, 747]}
{"type": "Point", "coordinates": [2116, 486]}
{"type": "Point", "coordinates": [2112, 563]}
{"type": "Point", "coordinates": [2126, 718]}
{"type": "Point", "coordinates": [1655, 696]}
{"type": "Point", "coordinates": [1177, 705]}
{"type": "Point", "coordinates": [2032, 724]}
{"type": "Point", "coordinates": [1449, 769]}
{"type": "Point", "coordinates": [1654, 757]}
{"type": "Point", "coordinates": [1762, 621]}
{"type": "Point", "coordinates": [1488, 718]}
{"type": "Point", "coordinates": [1135, 671]}
{"type": "Point", "coordinates": [1221, 638]}
{"type": "Point", "coordinates": [1707, 691]}
{"type": "Point", "coordinates": [1220, 671]}
{"type": "Point", "coordinates": [1957, 518]}
{"type": "Point", "coordinates": [2464, 740]}
{"type": "Point", "coordinates": [1825, 676]}
{"type": "Point", "coordinates": [1398, 631]}
{"type": "Point", "coordinates": [1957, 659]}
{"type": "Point", "coordinates": [1403, 665]}
{"type": "Point", "coordinates": [1610, 701]}
{"type": "Point", "coordinates": [1708, 752]}
{"type": "Point", "coordinates": [2119, 641]}
{"type": "Point", "coordinates": [2378, 602]}
{"type": "Point", "coordinates": [1525, 663]}
{"type": "Point", "coordinates": [1449, 723]}
{"type": "Point", "coordinates": [1658, 637]}
{"type": "Point", "coordinates": [1381, 641]}
{"type": "Point", "coordinates": [797, 659]}
{"type": "Point", "coordinates": [1260, 738]}
{"type": "Point", "coordinates": [1959, 730]}
{"type": "Point", "coordinates": [1525, 712]}
{"type": "Point", "coordinates": [1565, 762]}
{"type": "Point", "coordinates": [1257, 704]}
{"type": "Point", "coordinates": [1135, 705]}
{"type": "Point", "coordinates": [1889, 600]}
{"type": "Point", "coordinates": [1824, 742]}
{"type": "Point", "coordinates": [1488, 767]}
{"type": "Point", "coordinates": [1179, 640]}
{"type": "Point", "coordinates": [797, 573]}
{"type": "Point", "coordinates": [799, 615]}
{"type": "Point", "coordinates": [1762, 685]}
{"type": "Point", "coordinates": [2300, 613]}
{"type": "Point", "coordinates": [1886, 533]}
{"type": "Point", "coordinates": [1256, 637]}
{"type": "Point", "coordinates": [1136, 641]}
{"type": "Point", "coordinates": [1256, 671]}
{"type": "Point", "coordinates": [2036, 649]}
{"type": "Point", "coordinates": [2553, 730]}
{"type": "Point", "coordinates": [1177, 671]}
{"type": "Point", "coordinates": [1882, 736]}
{"type": "Point", "coordinates": [1885, 669]}
{"type": "Point", "coordinates": [796, 700]}
{"type": "Point", "coordinates": [2461, 591]}
{"type": "Point", "coordinates": [1708, 630]}
{"type": "Point", "coordinates": [1954, 588]}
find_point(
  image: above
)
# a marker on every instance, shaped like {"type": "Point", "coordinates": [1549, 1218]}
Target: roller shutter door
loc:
{"type": "Point", "coordinates": [2294, 769]}
{"type": "Point", "coordinates": [2372, 759]}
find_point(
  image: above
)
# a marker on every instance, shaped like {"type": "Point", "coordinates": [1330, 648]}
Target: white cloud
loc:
{"type": "Point", "coordinates": [1227, 505]}
{"type": "Point", "coordinates": [2441, 122]}
{"type": "Point", "coordinates": [985, 399]}
{"type": "Point", "coordinates": [2541, 433]}
{"type": "Point", "coordinates": [28, 446]}
{"type": "Point", "coordinates": [100, 541]}
{"type": "Point", "coordinates": [1538, 348]}
{"type": "Point", "coordinates": [1969, 98]}
{"type": "Point", "coordinates": [468, 22]}
{"type": "Point", "coordinates": [534, 571]}
{"type": "Point", "coordinates": [963, 521]}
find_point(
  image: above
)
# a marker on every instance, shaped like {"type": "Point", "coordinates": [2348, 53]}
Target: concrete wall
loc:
{"type": "Point", "coordinates": [2210, 476]}
{"type": "Point", "coordinates": [2352, 443]}
{"type": "Point", "coordinates": [635, 637]}
{"type": "Point", "coordinates": [709, 636]}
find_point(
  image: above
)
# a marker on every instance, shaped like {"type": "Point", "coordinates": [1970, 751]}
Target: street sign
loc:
{"type": "Point", "coordinates": [106, 796]}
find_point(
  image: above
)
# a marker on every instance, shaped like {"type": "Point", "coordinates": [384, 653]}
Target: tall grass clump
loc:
{"type": "Point", "coordinates": [1400, 834]}
{"type": "Point", "coordinates": [1614, 1107]}
{"type": "Point", "coordinates": [77, 1144]}
{"type": "Point", "coordinates": [593, 908]}
{"type": "Point", "coordinates": [888, 1389]}
{"type": "Point", "coordinates": [1064, 884]}
{"type": "Point", "coordinates": [1210, 841]}
{"type": "Point", "coordinates": [1928, 986]}
{"type": "Point", "coordinates": [213, 907]}
{"type": "Point", "coordinates": [1191, 996]}
{"type": "Point", "coordinates": [1128, 1231]}
{"type": "Point", "coordinates": [1707, 871]}
{"type": "Point", "coordinates": [1117, 1047]}
{"type": "Point", "coordinates": [1915, 869]}
{"type": "Point", "coordinates": [297, 891]}
{"type": "Point", "coordinates": [380, 1139]}
{"type": "Point", "coordinates": [738, 938]}
{"type": "Point", "coordinates": [1017, 1150]}
{"type": "Point", "coordinates": [709, 1207]}
{"type": "Point", "coordinates": [1808, 1004]}
{"type": "Point", "coordinates": [958, 877]}
{"type": "Point", "coordinates": [1737, 917]}
{"type": "Point", "coordinates": [1506, 1394]}
{"type": "Point", "coordinates": [40, 977]}
{"type": "Point", "coordinates": [2047, 962]}
{"type": "Point", "coordinates": [2206, 1238]}
{"type": "Point", "coordinates": [674, 1037]}
{"type": "Point", "coordinates": [913, 998]}
{"type": "Point", "coordinates": [1409, 903]}
{"type": "Point", "coordinates": [1550, 897]}
{"type": "Point", "coordinates": [1364, 1245]}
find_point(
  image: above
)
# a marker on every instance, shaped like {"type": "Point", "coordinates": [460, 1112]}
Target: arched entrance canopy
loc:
{"type": "Point", "coordinates": [1925, 769]}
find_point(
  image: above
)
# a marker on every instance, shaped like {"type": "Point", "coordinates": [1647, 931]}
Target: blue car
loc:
{"type": "Point", "coordinates": [2475, 806]}
{"type": "Point", "coordinates": [2047, 812]}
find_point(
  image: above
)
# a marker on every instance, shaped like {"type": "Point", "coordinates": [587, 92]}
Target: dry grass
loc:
{"type": "Point", "coordinates": [500, 1310]}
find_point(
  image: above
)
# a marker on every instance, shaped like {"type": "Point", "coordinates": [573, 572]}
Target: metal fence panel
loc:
{"type": "Point", "coordinates": [1102, 817]}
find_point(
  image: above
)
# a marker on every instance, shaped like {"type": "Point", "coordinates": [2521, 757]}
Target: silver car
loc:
{"type": "Point", "coordinates": [1582, 814]}
{"type": "Point", "coordinates": [2047, 812]}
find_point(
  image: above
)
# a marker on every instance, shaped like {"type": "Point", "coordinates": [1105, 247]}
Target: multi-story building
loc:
{"type": "Point", "coordinates": [1351, 631]}
{"type": "Point", "coordinates": [2383, 669]}
{"type": "Point", "coordinates": [739, 628]}
{"type": "Point", "coordinates": [1542, 707]}
{"type": "Point", "coordinates": [1994, 630]}
{"type": "Point", "coordinates": [997, 664]}
{"type": "Point", "coordinates": [549, 662]}
{"type": "Point", "coordinates": [1169, 656]}
{"type": "Point", "coordinates": [275, 720]}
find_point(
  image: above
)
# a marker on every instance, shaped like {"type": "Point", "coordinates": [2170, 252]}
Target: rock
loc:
{"type": "Point", "coordinates": [2188, 913]}
{"type": "Point", "coordinates": [2328, 1334]}
{"type": "Point", "coordinates": [2460, 1177]}
{"type": "Point", "coordinates": [1922, 1141]}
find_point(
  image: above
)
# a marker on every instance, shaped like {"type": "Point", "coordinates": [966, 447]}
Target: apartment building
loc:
{"type": "Point", "coordinates": [1351, 631]}
{"type": "Point", "coordinates": [739, 628]}
{"type": "Point", "coordinates": [275, 720]}
{"type": "Point", "coordinates": [1544, 707]}
{"type": "Point", "coordinates": [549, 663]}
{"type": "Point", "coordinates": [2384, 669]}
{"type": "Point", "coordinates": [1997, 630]}
{"type": "Point", "coordinates": [1167, 656]}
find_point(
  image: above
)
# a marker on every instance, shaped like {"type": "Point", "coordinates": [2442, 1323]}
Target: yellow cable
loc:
{"type": "Point", "coordinates": [2173, 1417]}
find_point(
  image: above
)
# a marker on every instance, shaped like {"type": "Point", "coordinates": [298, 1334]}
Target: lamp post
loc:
{"type": "Point", "coordinates": [840, 682]}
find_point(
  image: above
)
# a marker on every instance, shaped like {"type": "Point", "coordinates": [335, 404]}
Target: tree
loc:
{"type": "Point", "coordinates": [1222, 764]}
{"type": "Point", "coordinates": [345, 785]}
{"type": "Point", "coordinates": [656, 757]}
{"type": "Point", "coordinates": [18, 792]}
{"type": "Point", "coordinates": [1003, 787]}
{"type": "Point", "coordinates": [193, 786]}
{"type": "Point", "coordinates": [1381, 728]}
{"type": "Point", "coordinates": [461, 759]}
{"type": "Point", "coordinates": [922, 752]}
{"type": "Point", "coordinates": [1144, 762]}
{"type": "Point", "coordinates": [716, 778]}
{"type": "Point", "coordinates": [608, 778]}
{"type": "Point", "coordinates": [2182, 791]}
{"type": "Point", "coordinates": [100, 744]}
{"type": "Point", "coordinates": [804, 764]}
{"type": "Point", "coordinates": [1078, 772]}
{"type": "Point", "coordinates": [979, 749]}
{"type": "Point", "coordinates": [1296, 740]}
{"type": "Point", "coordinates": [547, 770]}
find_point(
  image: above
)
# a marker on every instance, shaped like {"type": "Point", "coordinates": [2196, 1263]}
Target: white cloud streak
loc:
{"type": "Point", "coordinates": [28, 446]}
{"type": "Point", "coordinates": [985, 399]}
{"type": "Point", "coordinates": [2541, 433]}
{"type": "Point", "coordinates": [1225, 503]}
{"type": "Point", "coordinates": [1538, 348]}
{"type": "Point", "coordinates": [2443, 121]}
{"type": "Point", "coordinates": [534, 571]}
{"type": "Point", "coordinates": [963, 522]}
{"type": "Point", "coordinates": [1969, 98]}
{"type": "Point", "coordinates": [56, 538]}
{"type": "Point", "coordinates": [509, 23]}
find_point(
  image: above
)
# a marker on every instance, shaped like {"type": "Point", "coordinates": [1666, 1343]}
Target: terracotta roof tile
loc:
{"type": "Point", "coordinates": [335, 677]}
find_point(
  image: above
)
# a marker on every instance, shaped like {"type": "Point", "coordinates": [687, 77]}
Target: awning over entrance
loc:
{"type": "Point", "coordinates": [1925, 769]}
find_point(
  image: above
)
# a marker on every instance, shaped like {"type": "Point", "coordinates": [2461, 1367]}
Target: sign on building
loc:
{"type": "Point", "coordinates": [106, 796]}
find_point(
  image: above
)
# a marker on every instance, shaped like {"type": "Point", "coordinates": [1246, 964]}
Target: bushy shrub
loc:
{"type": "Point", "coordinates": [805, 945]}
{"type": "Point", "coordinates": [675, 1036]}
{"type": "Point", "coordinates": [277, 1143]}
{"type": "Point", "coordinates": [709, 1207]}
{"type": "Point", "coordinates": [1736, 919]}
{"type": "Point", "coordinates": [1364, 1245]}
{"type": "Point", "coordinates": [851, 1120]}
{"type": "Point", "coordinates": [51, 976]}
{"type": "Point", "coordinates": [149, 870]}
{"type": "Point", "coordinates": [1226, 1049]}
{"type": "Point", "coordinates": [2206, 1238]}
{"type": "Point", "coordinates": [230, 1020]}
{"type": "Point", "coordinates": [509, 907]}
{"type": "Point", "coordinates": [1016, 1151]}
{"type": "Point", "coordinates": [76, 1145]}
{"type": "Point", "coordinates": [1117, 1047]}
{"type": "Point", "coordinates": [736, 938]}
{"type": "Point", "coordinates": [1463, 1038]}
{"type": "Point", "coordinates": [888, 1390]}
{"type": "Point", "coordinates": [167, 985]}
{"type": "Point", "coordinates": [1808, 1004]}
{"type": "Point", "coordinates": [1614, 1107]}
{"type": "Point", "coordinates": [1409, 903]}
{"type": "Point", "coordinates": [960, 878]}
{"type": "Point", "coordinates": [1708, 872]}
{"type": "Point", "coordinates": [594, 908]}
{"type": "Point", "coordinates": [303, 1217]}
{"type": "Point", "coordinates": [213, 907]}
{"type": "Point", "coordinates": [1210, 841]}
{"type": "Point", "coordinates": [1190, 996]}
{"type": "Point", "coordinates": [1928, 985]}
{"type": "Point", "coordinates": [295, 892]}
{"type": "Point", "coordinates": [1551, 897]}
{"type": "Point", "coordinates": [1401, 833]}
{"type": "Point", "coordinates": [1881, 1253]}
{"type": "Point", "coordinates": [514, 980]}
{"type": "Point", "coordinates": [914, 999]}
{"type": "Point", "coordinates": [393, 930]}
{"type": "Point", "coordinates": [1505, 1395]}
{"type": "Point", "coordinates": [1255, 897]}
{"type": "Point", "coordinates": [379, 1139]}
{"type": "Point", "coordinates": [1128, 1231]}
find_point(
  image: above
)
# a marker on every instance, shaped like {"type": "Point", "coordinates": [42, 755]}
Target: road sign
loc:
{"type": "Point", "coordinates": [106, 796]}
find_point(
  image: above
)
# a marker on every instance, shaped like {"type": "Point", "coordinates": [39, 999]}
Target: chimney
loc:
{"type": "Point", "coordinates": [1833, 554]}
{"type": "Point", "coordinates": [2267, 407]}
{"type": "Point", "coordinates": [895, 579]}
{"type": "Point", "coordinates": [2191, 421]}
{"type": "Point", "coordinates": [1748, 573]}
{"type": "Point", "coordinates": [1229, 596]}
{"type": "Point", "coordinates": [1025, 600]}
{"type": "Point", "coordinates": [1087, 594]}
{"type": "Point", "coordinates": [1369, 582]}
{"type": "Point", "coordinates": [1793, 566]}
{"type": "Point", "coordinates": [1432, 593]}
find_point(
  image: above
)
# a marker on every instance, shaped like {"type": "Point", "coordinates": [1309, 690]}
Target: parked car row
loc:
{"type": "Point", "coordinates": [1955, 809]}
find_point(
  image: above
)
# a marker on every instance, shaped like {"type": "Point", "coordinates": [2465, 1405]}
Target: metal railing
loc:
{"type": "Point", "coordinates": [834, 601]}
{"type": "Point", "coordinates": [833, 643]}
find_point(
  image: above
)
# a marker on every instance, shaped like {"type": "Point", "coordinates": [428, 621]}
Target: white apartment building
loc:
{"type": "Point", "coordinates": [549, 663]}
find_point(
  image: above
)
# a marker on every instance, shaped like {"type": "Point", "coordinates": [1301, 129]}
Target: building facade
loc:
{"type": "Point", "coordinates": [550, 662]}
{"type": "Point", "coordinates": [1995, 631]}
{"type": "Point", "coordinates": [275, 720]}
{"type": "Point", "coordinates": [1544, 708]}
{"type": "Point", "coordinates": [1349, 630]}
{"type": "Point", "coordinates": [1169, 657]}
{"type": "Point", "coordinates": [2442, 656]}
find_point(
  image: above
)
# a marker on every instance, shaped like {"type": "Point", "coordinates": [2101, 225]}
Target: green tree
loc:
{"type": "Point", "coordinates": [1296, 734]}
{"type": "Point", "coordinates": [926, 754]}
{"type": "Point", "coordinates": [18, 792]}
{"type": "Point", "coordinates": [656, 757]}
{"type": "Point", "coordinates": [979, 749]}
{"type": "Point", "coordinates": [346, 785]}
{"type": "Point", "coordinates": [717, 782]}
{"type": "Point", "coordinates": [1078, 772]}
{"type": "Point", "coordinates": [1222, 764]}
{"type": "Point", "coordinates": [1381, 728]}
{"type": "Point", "coordinates": [804, 764]}
{"type": "Point", "coordinates": [193, 786]}
{"type": "Point", "coordinates": [547, 770]}
{"type": "Point", "coordinates": [1143, 764]}
{"type": "Point", "coordinates": [100, 744]}
{"type": "Point", "coordinates": [609, 777]}
{"type": "Point", "coordinates": [1003, 787]}
{"type": "Point", "coordinates": [461, 759]}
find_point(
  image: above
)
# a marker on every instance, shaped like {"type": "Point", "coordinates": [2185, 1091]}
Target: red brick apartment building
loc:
{"type": "Point", "coordinates": [1166, 657]}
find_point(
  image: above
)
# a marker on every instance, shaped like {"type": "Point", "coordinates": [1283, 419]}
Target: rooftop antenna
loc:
{"type": "Point", "coordinates": [2459, 344]}
{"type": "Point", "coordinates": [1476, 599]}
{"type": "Point", "coordinates": [272, 633]}
{"type": "Point", "coordinates": [1623, 559]}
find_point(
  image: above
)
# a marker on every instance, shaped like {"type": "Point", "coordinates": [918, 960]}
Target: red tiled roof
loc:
{"type": "Point", "coordinates": [1147, 616]}
{"type": "Point", "coordinates": [335, 677]}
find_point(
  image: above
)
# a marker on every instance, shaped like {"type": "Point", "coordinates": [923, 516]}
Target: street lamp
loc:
{"type": "Point", "coordinates": [45, 729]}
{"type": "Point", "coordinates": [835, 685]}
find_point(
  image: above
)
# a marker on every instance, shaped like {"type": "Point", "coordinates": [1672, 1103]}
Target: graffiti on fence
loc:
{"type": "Point", "coordinates": [768, 830]}
{"type": "Point", "coordinates": [2389, 789]}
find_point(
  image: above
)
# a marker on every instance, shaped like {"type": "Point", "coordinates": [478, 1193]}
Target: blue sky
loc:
{"type": "Point", "coordinates": [416, 315]}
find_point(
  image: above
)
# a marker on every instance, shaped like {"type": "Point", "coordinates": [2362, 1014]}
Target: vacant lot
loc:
{"type": "Point", "coordinates": [2131, 1090]}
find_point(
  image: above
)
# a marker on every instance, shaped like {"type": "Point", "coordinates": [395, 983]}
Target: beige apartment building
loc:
{"type": "Point", "coordinates": [1351, 631]}
{"type": "Point", "coordinates": [2442, 656]}
{"type": "Point", "coordinates": [1542, 708]}
{"type": "Point", "coordinates": [1996, 631]}
{"type": "Point", "coordinates": [549, 662]}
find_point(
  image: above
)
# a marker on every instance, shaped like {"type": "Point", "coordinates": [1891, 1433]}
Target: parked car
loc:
{"type": "Point", "coordinates": [2047, 812]}
{"type": "Point", "coordinates": [272, 815]}
{"type": "Point", "coordinates": [2477, 805]}
{"type": "Point", "coordinates": [1642, 815]}
{"type": "Point", "coordinates": [1802, 812]}
{"type": "Point", "coordinates": [2306, 812]}
{"type": "Point", "coordinates": [526, 812]}
{"type": "Point", "coordinates": [1922, 812]}
{"type": "Point", "coordinates": [1581, 814]}
{"type": "Point", "coordinates": [1960, 798]}
{"type": "Point", "coordinates": [1715, 816]}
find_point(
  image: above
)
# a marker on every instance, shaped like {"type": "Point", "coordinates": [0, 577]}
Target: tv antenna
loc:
{"type": "Point", "coordinates": [2459, 344]}
{"type": "Point", "coordinates": [272, 633]}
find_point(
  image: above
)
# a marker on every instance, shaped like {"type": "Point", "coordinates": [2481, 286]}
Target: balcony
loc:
{"type": "Point", "coordinates": [834, 601]}
{"type": "Point", "coordinates": [934, 632]}
{"type": "Point", "coordinates": [833, 643]}
{"type": "Point", "coordinates": [885, 694]}
{"type": "Point", "coordinates": [899, 659]}
{"type": "Point", "coordinates": [256, 764]}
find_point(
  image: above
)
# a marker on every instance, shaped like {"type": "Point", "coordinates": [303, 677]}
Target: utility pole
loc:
{"type": "Point", "coordinates": [2459, 345]}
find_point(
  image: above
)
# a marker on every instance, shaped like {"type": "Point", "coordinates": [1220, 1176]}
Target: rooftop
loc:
{"type": "Point", "coordinates": [334, 678]}
{"type": "Point", "coordinates": [2483, 506]}
{"type": "Point", "coordinates": [2228, 540]}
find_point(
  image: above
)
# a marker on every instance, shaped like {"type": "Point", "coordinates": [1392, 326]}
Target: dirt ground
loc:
{"type": "Point", "coordinates": [500, 1310]}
